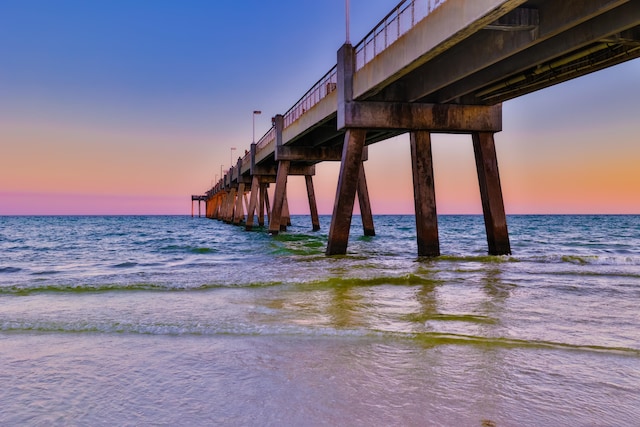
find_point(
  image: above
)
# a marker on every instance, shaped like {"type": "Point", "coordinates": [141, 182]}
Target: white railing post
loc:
{"type": "Point", "coordinates": [413, 13]}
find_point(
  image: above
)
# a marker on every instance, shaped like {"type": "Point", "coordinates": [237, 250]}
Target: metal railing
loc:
{"type": "Point", "coordinates": [399, 21]}
{"type": "Point", "coordinates": [266, 139]}
{"type": "Point", "coordinates": [323, 87]}
{"type": "Point", "coordinates": [318, 91]}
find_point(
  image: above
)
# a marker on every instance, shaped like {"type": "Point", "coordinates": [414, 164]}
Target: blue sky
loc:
{"type": "Point", "coordinates": [143, 99]}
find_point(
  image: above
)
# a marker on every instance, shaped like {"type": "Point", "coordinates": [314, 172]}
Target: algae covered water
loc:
{"type": "Point", "coordinates": [188, 321]}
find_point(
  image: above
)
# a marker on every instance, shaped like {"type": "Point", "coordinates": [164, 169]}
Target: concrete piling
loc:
{"type": "Point", "coordinates": [424, 194]}
{"type": "Point", "coordinates": [495, 219]}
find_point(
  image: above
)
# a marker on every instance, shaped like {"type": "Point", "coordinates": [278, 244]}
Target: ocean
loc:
{"type": "Point", "coordinates": [173, 320]}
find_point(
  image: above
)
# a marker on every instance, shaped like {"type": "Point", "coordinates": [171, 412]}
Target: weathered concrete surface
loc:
{"type": "Point", "coordinates": [275, 221]}
{"type": "Point", "coordinates": [253, 202]}
{"type": "Point", "coordinates": [308, 154]}
{"type": "Point", "coordinates": [495, 220]}
{"type": "Point", "coordinates": [424, 194]}
{"type": "Point", "coordinates": [434, 117]}
{"type": "Point", "coordinates": [447, 25]}
{"type": "Point", "coordinates": [313, 207]}
{"type": "Point", "coordinates": [346, 191]}
{"type": "Point", "coordinates": [365, 204]}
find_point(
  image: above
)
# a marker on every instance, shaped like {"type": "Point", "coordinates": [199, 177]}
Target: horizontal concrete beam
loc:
{"type": "Point", "coordinates": [266, 179]}
{"type": "Point", "coordinates": [295, 169]}
{"type": "Point", "coordinates": [302, 170]}
{"type": "Point", "coordinates": [301, 154]}
{"type": "Point", "coordinates": [431, 117]}
{"type": "Point", "coordinates": [313, 154]}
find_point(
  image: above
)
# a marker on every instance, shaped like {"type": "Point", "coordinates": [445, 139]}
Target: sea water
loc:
{"type": "Point", "coordinates": [188, 321]}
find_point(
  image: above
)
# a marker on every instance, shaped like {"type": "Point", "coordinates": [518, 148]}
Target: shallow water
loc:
{"type": "Point", "coordinates": [174, 320]}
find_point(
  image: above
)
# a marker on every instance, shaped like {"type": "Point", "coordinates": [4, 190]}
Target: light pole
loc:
{"type": "Point", "coordinates": [347, 15]}
{"type": "Point", "coordinates": [231, 156]}
{"type": "Point", "coordinates": [253, 116]}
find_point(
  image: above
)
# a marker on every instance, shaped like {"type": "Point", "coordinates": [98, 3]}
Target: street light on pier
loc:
{"type": "Point", "coordinates": [255, 113]}
{"type": "Point", "coordinates": [347, 16]}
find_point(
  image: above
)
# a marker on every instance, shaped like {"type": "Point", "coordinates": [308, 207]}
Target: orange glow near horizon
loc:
{"type": "Point", "coordinates": [98, 117]}
{"type": "Point", "coordinates": [59, 174]}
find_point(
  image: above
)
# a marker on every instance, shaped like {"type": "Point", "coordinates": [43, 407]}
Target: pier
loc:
{"type": "Point", "coordinates": [199, 199]}
{"type": "Point", "coordinates": [429, 66]}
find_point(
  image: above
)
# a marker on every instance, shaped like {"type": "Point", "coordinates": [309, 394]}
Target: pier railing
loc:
{"type": "Point", "coordinates": [318, 91]}
{"type": "Point", "coordinates": [266, 139]}
{"type": "Point", "coordinates": [400, 20]}
{"type": "Point", "coordinates": [323, 87]}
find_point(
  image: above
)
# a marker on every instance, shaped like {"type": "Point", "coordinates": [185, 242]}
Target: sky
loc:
{"type": "Point", "coordinates": [132, 106]}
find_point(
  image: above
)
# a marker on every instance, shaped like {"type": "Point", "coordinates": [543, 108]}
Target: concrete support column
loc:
{"type": "Point", "coordinates": [231, 201]}
{"type": "Point", "coordinates": [215, 208]}
{"type": "Point", "coordinates": [220, 208]}
{"type": "Point", "coordinates": [217, 212]}
{"type": "Point", "coordinates": [351, 164]}
{"type": "Point", "coordinates": [365, 204]}
{"type": "Point", "coordinates": [211, 207]}
{"type": "Point", "coordinates": [495, 219]}
{"type": "Point", "coordinates": [276, 218]}
{"type": "Point", "coordinates": [285, 220]}
{"type": "Point", "coordinates": [346, 191]}
{"type": "Point", "coordinates": [253, 200]}
{"type": "Point", "coordinates": [267, 205]}
{"type": "Point", "coordinates": [424, 194]}
{"type": "Point", "coordinates": [239, 211]}
{"type": "Point", "coordinates": [313, 207]}
{"type": "Point", "coordinates": [345, 69]}
{"type": "Point", "coordinates": [246, 201]}
{"type": "Point", "coordinates": [223, 206]}
{"type": "Point", "coordinates": [263, 191]}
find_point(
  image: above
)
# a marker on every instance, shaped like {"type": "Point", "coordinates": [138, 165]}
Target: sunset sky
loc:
{"type": "Point", "coordinates": [132, 106]}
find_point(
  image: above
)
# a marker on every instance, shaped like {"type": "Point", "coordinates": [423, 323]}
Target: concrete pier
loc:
{"type": "Point", "coordinates": [446, 69]}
